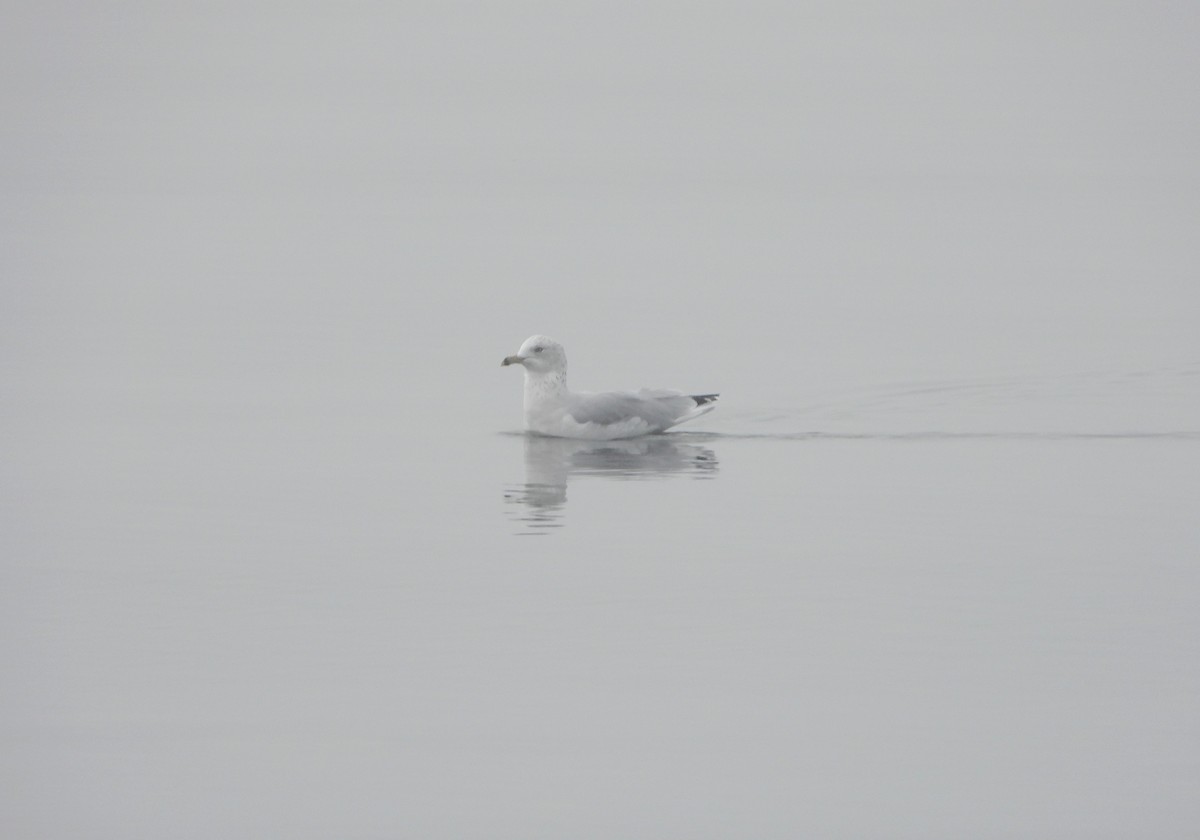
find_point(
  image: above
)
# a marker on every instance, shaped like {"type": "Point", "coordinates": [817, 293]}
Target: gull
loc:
{"type": "Point", "coordinates": [551, 409]}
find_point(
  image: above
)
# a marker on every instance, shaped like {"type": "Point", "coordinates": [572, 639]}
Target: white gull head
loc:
{"type": "Point", "coordinates": [540, 354]}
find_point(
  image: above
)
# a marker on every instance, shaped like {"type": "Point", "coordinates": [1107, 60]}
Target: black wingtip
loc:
{"type": "Point", "coordinates": [704, 399]}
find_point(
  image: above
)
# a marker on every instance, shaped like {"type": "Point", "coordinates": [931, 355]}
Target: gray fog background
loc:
{"type": "Point", "coordinates": [930, 570]}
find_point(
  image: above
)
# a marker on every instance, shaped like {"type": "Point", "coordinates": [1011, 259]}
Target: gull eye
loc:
{"type": "Point", "coordinates": [538, 349]}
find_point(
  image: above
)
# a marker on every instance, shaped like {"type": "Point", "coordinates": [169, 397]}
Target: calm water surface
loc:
{"type": "Point", "coordinates": [328, 631]}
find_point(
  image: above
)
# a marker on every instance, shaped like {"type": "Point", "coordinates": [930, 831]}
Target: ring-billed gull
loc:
{"type": "Point", "coordinates": [552, 409]}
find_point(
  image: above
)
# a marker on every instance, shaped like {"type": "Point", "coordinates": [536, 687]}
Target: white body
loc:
{"type": "Point", "coordinates": [553, 409]}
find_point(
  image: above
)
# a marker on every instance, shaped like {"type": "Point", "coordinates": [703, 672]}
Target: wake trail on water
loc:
{"type": "Point", "coordinates": [701, 437]}
{"type": "Point", "coordinates": [1160, 404]}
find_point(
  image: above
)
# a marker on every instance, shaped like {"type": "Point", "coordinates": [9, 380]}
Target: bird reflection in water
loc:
{"type": "Point", "coordinates": [551, 462]}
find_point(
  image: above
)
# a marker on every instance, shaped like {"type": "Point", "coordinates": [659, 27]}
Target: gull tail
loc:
{"type": "Point", "coordinates": [703, 403]}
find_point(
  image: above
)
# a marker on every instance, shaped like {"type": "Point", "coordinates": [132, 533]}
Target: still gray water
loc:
{"type": "Point", "coordinates": [232, 621]}
{"type": "Point", "coordinates": [279, 561]}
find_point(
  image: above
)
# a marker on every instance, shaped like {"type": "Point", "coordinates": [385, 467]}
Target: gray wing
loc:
{"type": "Point", "coordinates": [658, 409]}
